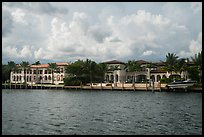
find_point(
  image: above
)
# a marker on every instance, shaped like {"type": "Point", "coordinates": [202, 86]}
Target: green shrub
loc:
{"type": "Point", "coordinates": [165, 80]}
{"type": "Point", "coordinates": [71, 82]}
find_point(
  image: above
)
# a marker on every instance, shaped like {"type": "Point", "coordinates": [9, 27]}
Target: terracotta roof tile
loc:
{"type": "Point", "coordinates": [46, 65]}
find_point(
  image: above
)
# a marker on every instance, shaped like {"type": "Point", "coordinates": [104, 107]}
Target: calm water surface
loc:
{"type": "Point", "coordinates": [100, 112]}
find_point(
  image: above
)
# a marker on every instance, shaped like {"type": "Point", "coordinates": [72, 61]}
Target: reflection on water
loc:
{"type": "Point", "coordinates": [100, 112]}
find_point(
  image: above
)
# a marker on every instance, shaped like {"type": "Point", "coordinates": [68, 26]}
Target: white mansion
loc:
{"type": "Point", "coordinates": [39, 74]}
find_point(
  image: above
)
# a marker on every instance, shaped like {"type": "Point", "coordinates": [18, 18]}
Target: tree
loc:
{"type": "Point", "coordinates": [170, 62]}
{"type": "Point", "coordinates": [5, 73]}
{"type": "Point", "coordinates": [197, 60]}
{"type": "Point", "coordinates": [6, 70]}
{"type": "Point", "coordinates": [101, 69]}
{"type": "Point", "coordinates": [85, 71]}
{"type": "Point", "coordinates": [53, 68]}
{"type": "Point", "coordinates": [36, 63]}
{"type": "Point", "coordinates": [193, 73]}
{"type": "Point", "coordinates": [25, 66]}
{"type": "Point", "coordinates": [74, 72]}
{"type": "Point", "coordinates": [11, 67]}
{"type": "Point", "coordinates": [181, 65]}
{"type": "Point", "coordinates": [132, 66]}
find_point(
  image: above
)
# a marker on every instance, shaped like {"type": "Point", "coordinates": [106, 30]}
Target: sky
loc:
{"type": "Point", "coordinates": [100, 31]}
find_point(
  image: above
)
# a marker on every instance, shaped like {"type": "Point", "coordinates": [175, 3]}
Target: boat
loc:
{"type": "Point", "coordinates": [181, 84]}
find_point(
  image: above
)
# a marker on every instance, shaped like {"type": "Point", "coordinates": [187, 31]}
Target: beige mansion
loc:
{"type": "Point", "coordinates": [121, 75]}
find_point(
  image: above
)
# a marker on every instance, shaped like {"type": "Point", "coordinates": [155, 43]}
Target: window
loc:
{"type": "Point", "coordinates": [158, 77]}
{"type": "Point", "coordinates": [61, 70]}
{"type": "Point", "coordinates": [61, 77]}
{"type": "Point", "coordinates": [58, 77]}
{"type": "Point", "coordinates": [34, 72]}
{"type": "Point", "coordinates": [107, 78]}
{"type": "Point", "coordinates": [45, 71]}
{"type": "Point", "coordinates": [116, 77]}
{"type": "Point", "coordinates": [14, 78]}
{"type": "Point", "coordinates": [40, 71]}
{"type": "Point", "coordinates": [49, 77]}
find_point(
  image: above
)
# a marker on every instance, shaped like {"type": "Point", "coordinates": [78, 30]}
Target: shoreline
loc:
{"type": "Point", "coordinates": [138, 87]}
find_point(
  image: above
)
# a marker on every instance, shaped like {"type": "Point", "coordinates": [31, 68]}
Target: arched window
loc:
{"type": "Point", "coordinates": [30, 78]}
{"type": "Point", "coordinates": [153, 77]}
{"type": "Point", "coordinates": [164, 76]}
{"type": "Point", "coordinates": [116, 78]}
{"type": "Point", "coordinates": [45, 77]}
{"type": "Point", "coordinates": [49, 77]}
{"type": "Point", "coordinates": [14, 78]}
{"type": "Point", "coordinates": [158, 77]}
{"type": "Point", "coordinates": [58, 77]}
{"type": "Point", "coordinates": [112, 78]}
{"type": "Point", "coordinates": [107, 78]}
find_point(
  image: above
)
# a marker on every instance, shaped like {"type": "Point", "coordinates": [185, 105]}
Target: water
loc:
{"type": "Point", "coordinates": [44, 112]}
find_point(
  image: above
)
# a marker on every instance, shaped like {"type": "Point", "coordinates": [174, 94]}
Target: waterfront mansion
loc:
{"type": "Point", "coordinates": [117, 73]}
{"type": "Point", "coordinates": [39, 74]}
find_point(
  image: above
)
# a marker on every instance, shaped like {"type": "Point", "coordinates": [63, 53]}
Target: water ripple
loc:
{"type": "Point", "coordinates": [99, 112]}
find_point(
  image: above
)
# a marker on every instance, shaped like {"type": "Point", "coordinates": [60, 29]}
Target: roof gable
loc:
{"type": "Point", "coordinates": [114, 62]}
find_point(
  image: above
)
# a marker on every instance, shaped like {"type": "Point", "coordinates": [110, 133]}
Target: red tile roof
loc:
{"type": "Point", "coordinates": [47, 65]}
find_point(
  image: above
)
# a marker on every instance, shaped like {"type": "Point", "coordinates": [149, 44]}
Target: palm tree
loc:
{"type": "Point", "coordinates": [180, 66]}
{"type": "Point", "coordinates": [132, 66]}
{"type": "Point", "coordinates": [197, 60]}
{"type": "Point", "coordinates": [53, 68]}
{"type": "Point", "coordinates": [36, 63]}
{"type": "Point", "coordinates": [170, 62]}
{"type": "Point", "coordinates": [25, 66]}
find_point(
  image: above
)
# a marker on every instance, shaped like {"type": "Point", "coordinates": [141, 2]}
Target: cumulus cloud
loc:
{"type": "Point", "coordinates": [39, 33]}
{"type": "Point", "coordinates": [194, 47]}
{"type": "Point", "coordinates": [24, 53]}
{"type": "Point", "coordinates": [148, 52]}
{"type": "Point", "coordinates": [18, 16]}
